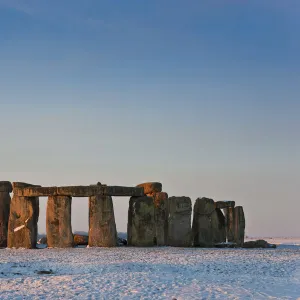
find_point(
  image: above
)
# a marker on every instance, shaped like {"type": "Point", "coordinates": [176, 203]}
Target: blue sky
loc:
{"type": "Point", "coordinates": [200, 95]}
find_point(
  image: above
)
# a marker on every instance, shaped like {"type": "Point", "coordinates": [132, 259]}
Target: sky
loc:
{"type": "Point", "coordinates": [202, 96]}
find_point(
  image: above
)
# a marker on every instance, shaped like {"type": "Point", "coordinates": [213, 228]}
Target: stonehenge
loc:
{"type": "Point", "coordinates": [154, 218]}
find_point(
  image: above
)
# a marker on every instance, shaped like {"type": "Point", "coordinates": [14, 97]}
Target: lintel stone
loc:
{"type": "Point", "coordinates": [77, 191]}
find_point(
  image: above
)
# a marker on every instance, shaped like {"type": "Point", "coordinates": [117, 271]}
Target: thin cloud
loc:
{"type": "Point", "coordinates": [18, 6]}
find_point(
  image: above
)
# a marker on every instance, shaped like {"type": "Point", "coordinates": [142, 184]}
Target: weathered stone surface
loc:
{"type": "Point", "coordinates": [20, 185]}
{"type": "Point", "coordinates": [258, 244]}
{"type": "Point", "coordinates": [239, 225]}
{"type": "Point", "coordinates": [179, 221]}
{"type": "Point", "coordinates": [151, 187]}
{"type": "Point", "coordinates": [224, 204]}
{"type": "Point", "coordinates": [77, 191]}
{"type": "Point", "coordinates": [202, 227]}
{"type": "Point", "coordinates": [58, 222]}
{"type": "Point", "coordinates": [4, 216]}
{"type": "Point", "coordinates": [161, 218]}
{"type": "Point", "coordinates": [81, 240]}
{"type": "Point", "coordinates": [141, 223]}
{"type": "Point", "coordinates": [102, 225]}
{"type": "Point", "coordinates": [22, 225]}
{"type": "Point", "coordinates": [218, 227]}
{"type": "Point", "coordinates": [229, 220]}
{"type": "Point", "coordinates": [120, 191]}
{"type": "Point", "coordinates": [5, 186]}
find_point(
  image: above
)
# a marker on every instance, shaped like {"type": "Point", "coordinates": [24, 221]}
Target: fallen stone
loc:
{"type": "Point", "coordinates": [239, 225]}
{"type": "Point", "coordinates": [81, 240]}
{"type": "Point", "coordinates": [258, 244]}
{"type": "Point", "coordinates": [5, 186]}
{"type": "Point", "coordinates": [224, 204]}
{"type": "Point", "coordinates": [229, 219]}
{"type": "Point", "coordinates": [179, 222]}
{"type": "Point", "coordinates": [58, 222]}
{"type": "Point", "coordinates": [4, 216]}
{"type": "Point", "coordinates": [102, 225]}
{"type": "Point", "coordinates": [24, 214]}
{"type": "Point", "coordinates": [141, 223]}
{"type": "Point", "coordinates": [151, 187]}
{"type": "Point", "coordinates": [161, 218]}
{"type": "Point", "coordinates": [122, 242]}
{"type": "Point", "coordinates": [42, 241]}
{"type": "Point", "coordinates": [45, 272]}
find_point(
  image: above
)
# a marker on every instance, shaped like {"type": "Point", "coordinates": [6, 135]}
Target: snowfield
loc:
{"type": "Point", "coordinates": [150, 273]}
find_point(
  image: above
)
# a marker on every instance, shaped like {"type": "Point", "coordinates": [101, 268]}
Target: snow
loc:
{"type": "Point", "coordinates": [151, 273]}
{"type": "Point", "coordinates": [19, 228]}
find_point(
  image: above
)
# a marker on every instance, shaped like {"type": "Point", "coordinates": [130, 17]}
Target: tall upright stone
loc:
{"type": "Point", "coordinates": [5, 189]}
{"type": "Point", "coordinates": [218, 227]}
{"type": "Point", "coordinates": [202, 229]}
{"type": "Point", "coordinates": [58, 222]}
{"type": "Point", "coordinates": [179, 221]}
{"type": "Point", "coordinates": [23, 219]}
{"type": "Point", "coordinates": [239, 225]}
{"type": "Point", "coordinates": [161, 218]}
{"type": "Point", "coordinates": [102, 225]}
{"type": "Point", "coordinates": [141, 222]}
{"type": "Point", "coordinates": [229, 217]}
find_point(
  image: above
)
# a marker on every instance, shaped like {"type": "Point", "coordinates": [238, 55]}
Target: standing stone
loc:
{"type": "Point", "coordinates": [239, 225]}
{"type": "Point", "coordinates": [141, 223]}
{"type": "Point", "coordinates": [5, 189]}
{"type": "Point", "coordinates": [58, 222]}
{"type": "Point", "coordinates": [229, 217]}
{"type": "Point", "coordinates": [202, 227]}
{"type": "Point", "coordinates": [179, 221]}
{"type": "Point", "coordinates": [102, 225]}
{"type": "Point", "coordinates": [22, 225]}
{"type": "Point", "coordinates": [218, 227]}
{"type": "Point", "coordinates": [161, 218]}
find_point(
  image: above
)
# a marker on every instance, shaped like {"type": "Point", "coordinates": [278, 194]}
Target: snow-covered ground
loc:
{"type": "Point", "coordinates": [151, 273]}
